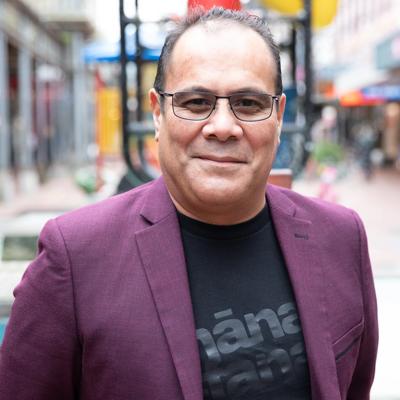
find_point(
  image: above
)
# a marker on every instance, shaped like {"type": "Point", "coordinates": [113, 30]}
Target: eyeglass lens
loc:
{"type": "Point", "coordinates": [245, 106]}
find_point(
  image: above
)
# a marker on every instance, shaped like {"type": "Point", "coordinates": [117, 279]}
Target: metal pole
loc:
{"type": "Point", "coordinates": [308, 106]}
{"type": "Point", "coordinates": [138, 60]}
{"type": "Point", "coordinates": [25, 131]}
{"type": "Point", "coordinates": [41, 124]}
{"type": "Point", "coordinates": [79, 98]}
{"type": "Point", "coordinates": [4, 105]}
{"type": "Point", "coordinates": [123, 79]}
{"type": "Point", "coordinates": [139, 97]}
{"type": "Point", "coordinates": [293, 53]}
{"type": "Point", "coordinates": [136, 177]}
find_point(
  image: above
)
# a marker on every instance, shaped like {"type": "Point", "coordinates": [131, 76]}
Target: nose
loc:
{"type": "Point", "coordinates": [222, 123]}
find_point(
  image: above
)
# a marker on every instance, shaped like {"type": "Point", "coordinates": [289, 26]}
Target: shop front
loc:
{"type": "Point", "coordinates": [35, 105]}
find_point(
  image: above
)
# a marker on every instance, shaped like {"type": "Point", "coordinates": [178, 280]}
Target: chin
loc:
{"type": "Point", "coordinates": [220, 191]}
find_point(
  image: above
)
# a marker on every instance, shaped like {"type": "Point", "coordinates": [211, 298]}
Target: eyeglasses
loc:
{"type": "Point", "coordinates": [198, 106]}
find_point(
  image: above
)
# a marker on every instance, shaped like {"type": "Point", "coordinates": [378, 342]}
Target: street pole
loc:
{"type": "Point", "coordinates": [4, 105]}
{"type": "Point", "coordinates": [5, 131]}
{"type": "Point", "coordinates": [308, 80]}
{"type": "Point", "coordinates": [138, 60]}
{"type": "Point", "coordinates": [136, 174]}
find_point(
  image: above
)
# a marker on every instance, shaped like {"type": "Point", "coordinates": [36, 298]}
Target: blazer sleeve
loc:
{"type": "Point", "coordinates": [40, 354]}
{"type": "Point", "coordinates": [365, 368]}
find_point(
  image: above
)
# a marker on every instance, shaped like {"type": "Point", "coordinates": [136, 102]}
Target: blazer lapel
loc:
{"type": "Point", "coordinates": [299, 244]}
{"type": "Point", "coordinates": [162, 255]}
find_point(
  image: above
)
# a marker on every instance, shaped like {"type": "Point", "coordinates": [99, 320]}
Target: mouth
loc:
{"type": "Point", "coordinates": [221, 159]}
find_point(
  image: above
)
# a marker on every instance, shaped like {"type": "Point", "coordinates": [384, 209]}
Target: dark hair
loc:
{"type": "Point", "coordinates": [199, 17]}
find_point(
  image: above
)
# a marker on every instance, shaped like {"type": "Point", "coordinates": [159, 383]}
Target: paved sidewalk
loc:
{"type": "Point", "coordinates": [62, 193]}
{"type": "Point", "coordinates": [59, 193]}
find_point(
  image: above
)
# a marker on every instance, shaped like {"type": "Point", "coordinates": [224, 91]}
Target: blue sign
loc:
{"type": "Point", "coordinates": [110, 52]}
{"type": "Point", "coordinates": [388, 92]}
{"type": "Point", "coordinates": [152, 38]}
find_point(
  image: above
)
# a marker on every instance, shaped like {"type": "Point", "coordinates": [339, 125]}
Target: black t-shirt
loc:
{"type": "Point", "coordinates": [247, 326]}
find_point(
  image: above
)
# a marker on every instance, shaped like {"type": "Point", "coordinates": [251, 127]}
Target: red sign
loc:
{"type": "Point", "coordinates": [207, 4]}
{"type": "Point", "coordinates": [357, 99]}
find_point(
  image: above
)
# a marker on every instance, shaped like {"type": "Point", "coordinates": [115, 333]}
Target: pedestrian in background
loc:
{"type": "Point", "coordinates": [365, 140]}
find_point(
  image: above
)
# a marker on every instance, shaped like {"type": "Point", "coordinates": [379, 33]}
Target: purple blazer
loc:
{"type": "Point", "coordinates": [104, 312]}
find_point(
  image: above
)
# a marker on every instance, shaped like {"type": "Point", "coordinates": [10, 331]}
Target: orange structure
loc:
{"type": "Point", "coordinates": [207, 4]}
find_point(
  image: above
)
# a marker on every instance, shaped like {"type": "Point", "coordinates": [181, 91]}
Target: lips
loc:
{"type": "Point", "coordinates": [220, 159]}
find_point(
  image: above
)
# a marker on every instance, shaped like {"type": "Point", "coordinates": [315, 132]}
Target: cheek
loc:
{"type": "Point", "coordinates": [173, 141]}
{"type": "Point", "coordinates": [178, 135]}
{"type": "Point", "coordinates": [264, 143]}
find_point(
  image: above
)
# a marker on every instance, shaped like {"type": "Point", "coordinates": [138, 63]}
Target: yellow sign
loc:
{"type": "Point", "coordinates": [109, 121]}
{"type": "Point", "coordinates": [323, 11]}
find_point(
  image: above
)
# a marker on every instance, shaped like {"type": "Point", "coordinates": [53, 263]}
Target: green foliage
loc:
{"type": "Point", "coordinates": [85, 178]}
{"type": "Point", "coordinates": [327, 153]}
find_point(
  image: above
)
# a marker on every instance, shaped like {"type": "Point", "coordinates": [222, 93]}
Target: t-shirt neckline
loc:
{"type": "Point", "coordinates": [211, 231]}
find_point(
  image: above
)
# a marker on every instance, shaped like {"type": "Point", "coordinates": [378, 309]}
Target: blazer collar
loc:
{"type": "Point", "coordinates": [157, 203]}
{"type": "Point", "coordinates": [298, 239]}
{"type": "Point", "coordinates": [162, 255]}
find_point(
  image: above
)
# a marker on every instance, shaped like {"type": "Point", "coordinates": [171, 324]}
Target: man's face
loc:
{"type": "Point", "coordinates": [216, 170]}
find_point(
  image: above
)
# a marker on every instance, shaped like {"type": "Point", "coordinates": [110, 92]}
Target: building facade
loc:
{"type": "Point", "coordinates": [43, 102]}
{"type": "Point", "coordinates": [357, 64]}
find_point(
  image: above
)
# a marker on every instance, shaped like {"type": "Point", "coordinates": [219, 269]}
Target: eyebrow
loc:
{"type": "Point", "coordinates": [202, 89]}
{"type": "Point", "coordinates": [196, 88]}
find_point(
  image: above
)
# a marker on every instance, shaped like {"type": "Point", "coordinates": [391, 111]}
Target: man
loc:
{"type": "Point", "coordinates": [201, 284]}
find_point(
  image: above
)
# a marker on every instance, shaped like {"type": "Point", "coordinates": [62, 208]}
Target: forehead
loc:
{"type": "Point", "coordinates": [223, 52]}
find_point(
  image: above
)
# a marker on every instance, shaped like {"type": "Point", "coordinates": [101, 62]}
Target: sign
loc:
{"type": "Point", "coordinates": [322, 12]}
{"type": "Point", "coordinates": [387, 53]}
{"type": "Point", "coordinates": [358, 99]}
{"type": "Point", "coordinates": [384, 92]}
{"type": "Point", "coordinates": [207, 4]}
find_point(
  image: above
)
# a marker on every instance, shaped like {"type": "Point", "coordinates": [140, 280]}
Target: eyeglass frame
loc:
{"type": "Point", "coordinates": [275, 99]}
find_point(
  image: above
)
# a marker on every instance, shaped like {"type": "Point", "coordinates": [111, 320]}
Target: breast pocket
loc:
{"type": "Point", "coordinates": [346, 350]}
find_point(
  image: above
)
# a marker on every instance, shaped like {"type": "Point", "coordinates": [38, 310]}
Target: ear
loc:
{"type": "Point", "coordinates": [156, 110]}
{"type": "Point", "coordinates": [280, 112]}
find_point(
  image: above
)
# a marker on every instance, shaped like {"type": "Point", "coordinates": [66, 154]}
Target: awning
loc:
{"type": "Point", "coordinates": [357, 99]}
{"type": "Point", "coordinates": [110, 52]}
{"type": "Point", "coordinates": [152, 38]}
{"type": "Point", "coordinates": [372, 95]}
{"type": "Point", "coordinates": [386, 92]}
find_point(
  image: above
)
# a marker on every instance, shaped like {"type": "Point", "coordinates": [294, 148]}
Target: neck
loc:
{"type": "Point", "coordinates": [222, 214]}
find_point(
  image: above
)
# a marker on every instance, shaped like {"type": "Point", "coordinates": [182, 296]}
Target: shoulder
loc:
{"type": "Point", "coordinates": [105, 218]}
{"type": "Point", "coordinates": [328, 218]}
{"type": "Point", "coordinates": [307, 207]}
